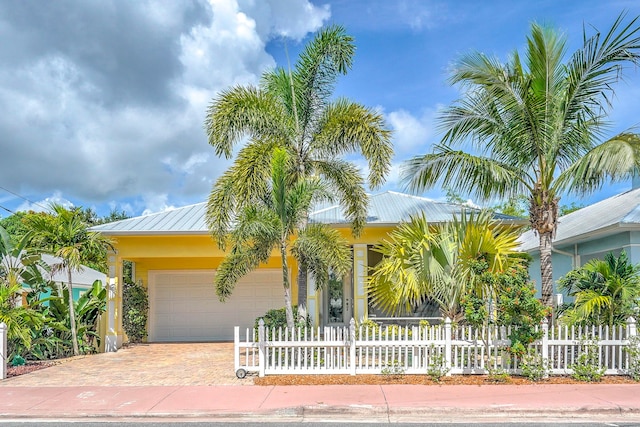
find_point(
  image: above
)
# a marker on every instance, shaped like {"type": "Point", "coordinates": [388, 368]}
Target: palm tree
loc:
{"type": "Point", "coordinates": [606, 291]}
{"type": "Point", "coordinates": [533, 127]}
{"type": "Point", "coordinates": [65, 235]}
{"type": "Point", "coordinates": [293, 110]}
{"type": "Point", "coordinates": [270, 223]}
{"type": "Point", "coordinates": [438, 262]}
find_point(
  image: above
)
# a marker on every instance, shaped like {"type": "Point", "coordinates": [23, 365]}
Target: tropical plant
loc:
{"type": "Point", "coordinates": [20, 319]}
{"type": "Point", "coordinates": [518, 307]}
{"type": "Point", "coordinates": [605, 291]}
{"type": "Point", "coordinates": [587, 366]}
{"type": "Point", "coordinates": [533, 127]}
{"type": "Point", "coordinates": [271, 222]}
{"type": "Point", "coordinates": [438, 262]}
{"type": "Point", "coordinates": [292, 110]}
{"type": "Point", "coordinates": [17, 268]}
{"type": "Point", "coordinates": [66, 236]}
{"type": "Point", "coordinates": [135, 311]}
{"type": "Point", "coordinates": [89, 307]}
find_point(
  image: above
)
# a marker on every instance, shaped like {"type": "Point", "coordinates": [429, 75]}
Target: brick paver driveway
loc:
{"type": "Point", "coordinates": [142, 365]}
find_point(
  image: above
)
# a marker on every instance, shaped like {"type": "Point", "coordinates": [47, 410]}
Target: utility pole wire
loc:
{"type": "Point", "coordinates": [23, 198]}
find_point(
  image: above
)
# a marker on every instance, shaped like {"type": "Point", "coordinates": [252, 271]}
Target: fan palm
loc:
{"type": "Point", "coordinates": [533, 126]}
{"type": "Point", "coordinates": [65, 235]}
{"type": "Point", "coordinates": [270, 223]}
{"type": "Point", "coordinates": [293, 110]}
{"type": "Point", "coordinates": [606, 291]}
{"type": "Point", "coordinates": [437, 262]}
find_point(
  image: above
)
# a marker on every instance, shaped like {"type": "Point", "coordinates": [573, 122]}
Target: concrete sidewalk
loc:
{"type": "Point", "coordinates": [383, 403]}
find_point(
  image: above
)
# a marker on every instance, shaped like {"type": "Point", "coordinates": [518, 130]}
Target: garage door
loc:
{"type": "Point", "coordinates": [183, 305]}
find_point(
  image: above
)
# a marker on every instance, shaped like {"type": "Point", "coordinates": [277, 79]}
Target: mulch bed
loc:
{"type": "Point", "coordinates": [422, 380]}
{"type": "Point", "coordinates": [14, 371]}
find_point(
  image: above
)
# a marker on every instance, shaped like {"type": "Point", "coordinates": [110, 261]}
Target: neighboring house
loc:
{"type": "Point", "coordinates": [82, 279]}
{"type": "Point", "coordinates": [610, 225]}
{"type": "Point", "coordinates": [175, 258]}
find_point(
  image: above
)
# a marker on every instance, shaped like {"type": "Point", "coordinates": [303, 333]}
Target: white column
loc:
{"type": "Point", "coordinates": [114, 336]}
{"type": "Point", "coordinates": [360, 267]}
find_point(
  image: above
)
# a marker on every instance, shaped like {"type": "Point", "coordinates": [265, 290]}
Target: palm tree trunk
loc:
{"type": "Point", "coordinates": [302, 282]}
{"type": "Point", "coordinates": [546, 269]}
{"type": "Point", "coordinates": [543, 215]}
{"type": "Point", "coordinates": [72, 315]}
{"type": "Point", "coordinates": [287, 287]}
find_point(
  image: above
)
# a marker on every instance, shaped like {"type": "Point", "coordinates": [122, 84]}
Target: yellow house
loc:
{"type": "Point", "coordinates": [175, 258]}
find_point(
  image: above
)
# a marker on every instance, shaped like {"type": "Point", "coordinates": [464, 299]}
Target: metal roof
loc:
{"type": "Point", "coordinates": [83, 277]}
{"type": "Point", "coordinates": [385, 208]}
{"type": "Point", "coordinates": [622, 210]}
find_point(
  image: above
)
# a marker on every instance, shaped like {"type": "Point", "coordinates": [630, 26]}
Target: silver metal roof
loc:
{"type": "Point", "coordinates": [385, 208]}
{"type": "Point", "coordinates": [622, 210]}
{"type": "Point", "coordinates": [83, 277]}
{"type": "Point", "coordinates": [187, 219]}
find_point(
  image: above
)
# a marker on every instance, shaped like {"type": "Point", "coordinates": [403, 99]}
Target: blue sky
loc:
{"type": "Point", "coordinates": [103, 102]}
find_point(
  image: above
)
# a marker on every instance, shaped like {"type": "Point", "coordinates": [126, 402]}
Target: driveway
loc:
{"type": "Point", "coordinates": [142, 365]}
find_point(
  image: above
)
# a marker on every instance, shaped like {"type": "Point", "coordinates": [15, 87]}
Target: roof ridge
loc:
{"type": "Point", "coordinates": [140, 217]}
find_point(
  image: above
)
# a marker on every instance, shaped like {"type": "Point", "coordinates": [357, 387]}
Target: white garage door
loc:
{"type": "Point", "coordinates": [183, 305]}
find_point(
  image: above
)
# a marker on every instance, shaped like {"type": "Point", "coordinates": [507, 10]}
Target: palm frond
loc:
{"type": "Point", "coordinates": [593, 69]}
{"type": "Point", "coordinates": [239, 262]}
{"type": "Point", "coordinates": [346, 126]}
{"type": "Point", "coordinates": [320, 250]}
{"type": "Point", "coordinates": [615, 159]}
{"type": "Point", "coordinates": [344, 178]}
{"type": "Point", "coordinates": [244, 111]}
{"type": "Point", "coordinates": [328, 55]}
{"type": "Point", "coordinates": [464, 173]}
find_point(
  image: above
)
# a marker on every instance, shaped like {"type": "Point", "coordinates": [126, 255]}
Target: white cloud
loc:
{"type": "Point", "coordinates": [156, 203]}
{"type": "Point", "coordinates": [113, 110]}
{"type": "Point", "coordinates": [43, 205]}
{"type": "Point", "coordinates": [411, 134]}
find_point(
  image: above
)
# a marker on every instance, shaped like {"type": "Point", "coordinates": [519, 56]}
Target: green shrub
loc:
{"type": "Point", "coordinates": [533, 366]}
{"type": "Point", "coordinates": [437, 364]}
{"type": "Point", "coordinates": [497, 373]}
{"type": "Point", "coordinates": [393, 370]}
{"type": "Point", "coordinates": [277, 318]}
{"type": "Point", "coordinates": [135, 307]}
{"type": "Point", "coordinates": [587, 366]}
{"type": "Point", "coordinates": [633, 350]}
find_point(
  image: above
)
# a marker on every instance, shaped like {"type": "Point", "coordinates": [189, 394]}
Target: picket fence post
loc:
{"type": "Point", "coordinates": [261, 348]}
{"type": "Point", "coordinates": [3, 351]}
{"type": "Point", "coordinates": [632, 329]}
{"type": "Point", "coordinates": [545, 345]}
{"type": "Point", "coordinates": [352, 345]}
{"type": "Point", "coordinates": [447, 345]}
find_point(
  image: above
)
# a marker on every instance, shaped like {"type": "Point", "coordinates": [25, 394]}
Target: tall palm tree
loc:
{"type": "Point", "coordinates": [270, 223]}
{"type": "Point", "coordinates": [65, 235]}
{"type": "Point", "coordinates": [533, 127]}
{"type": "Point", "coordinates": [422, 262]}
{"type": "Point", "coordinates": [605, 291]}
{"type": "Point", "coordinates": [293, 110]}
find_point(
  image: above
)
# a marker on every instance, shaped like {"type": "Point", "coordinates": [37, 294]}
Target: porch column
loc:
{"type": "Point", "coordinates": [360, 271]}
{"type": "Point", "coordinates": [113, 337]}
{"type": "Point", "coordinates": [313, 296]}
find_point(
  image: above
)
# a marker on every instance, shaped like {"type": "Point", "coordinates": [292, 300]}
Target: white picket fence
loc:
{"type": "Point", "coordinates": [412, 350]}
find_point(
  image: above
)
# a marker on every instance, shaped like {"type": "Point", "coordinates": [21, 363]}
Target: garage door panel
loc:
{"type": "Point", "coordinates": [184, 305]}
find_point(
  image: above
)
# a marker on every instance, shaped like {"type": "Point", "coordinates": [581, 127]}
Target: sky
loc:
{"type": "Point", "coordinates": [102, 103]}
